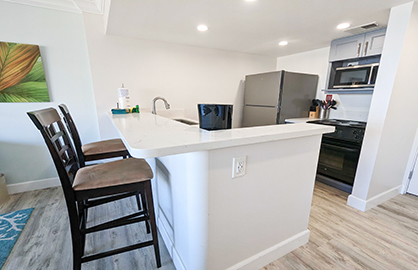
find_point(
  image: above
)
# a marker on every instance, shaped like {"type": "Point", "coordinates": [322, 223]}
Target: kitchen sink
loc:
{"type": "Point", "coordinates": [185, 121]}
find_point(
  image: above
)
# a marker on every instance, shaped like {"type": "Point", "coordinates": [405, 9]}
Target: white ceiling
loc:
{"type": "Point", "coordinates": [234, 25]}
{"type": "Point", "coordinates": [74, 6]}
{"type": "Point", "coordinates": [248, 27]}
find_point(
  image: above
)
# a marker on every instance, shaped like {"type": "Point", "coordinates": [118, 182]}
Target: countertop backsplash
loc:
{"type": "Point", "coordinates": [352, 107]}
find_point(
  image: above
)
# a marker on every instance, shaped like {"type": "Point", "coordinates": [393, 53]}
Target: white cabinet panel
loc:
{"type": "Point", "coordinates": [164, 191]}
{"type": "Point", "coordinates": [346, 48]}
{"type": "Point", "coordinates": [373, 42]}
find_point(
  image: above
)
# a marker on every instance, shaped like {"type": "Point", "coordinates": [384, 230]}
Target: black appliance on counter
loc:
{"type": "Point", "coordinates": [340, 152]}
{"type": "Point", "coordinates": [215, 116]}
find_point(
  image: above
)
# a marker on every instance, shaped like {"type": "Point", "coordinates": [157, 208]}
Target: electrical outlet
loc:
{"type": "Point", "coordinates": [239, 165]}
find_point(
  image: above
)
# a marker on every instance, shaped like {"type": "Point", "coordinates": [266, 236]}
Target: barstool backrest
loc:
{"type": "Point", "coordinates": [59, 145]}
{"type": "Point", "coordinates": [73, 132]}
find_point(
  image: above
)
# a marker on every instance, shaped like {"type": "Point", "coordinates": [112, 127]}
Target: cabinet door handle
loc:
{"type": "Point", "coordinates": [358, 49]}
{"type": "Point", "coordinates": [365, 48]}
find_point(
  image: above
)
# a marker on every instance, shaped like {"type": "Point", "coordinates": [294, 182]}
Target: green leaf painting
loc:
{"type": "Point", "coordinates": [22, 77]}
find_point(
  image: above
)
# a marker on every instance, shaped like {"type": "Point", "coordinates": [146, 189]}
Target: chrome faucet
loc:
{"type": "Point", "coordinates": [167, 106]}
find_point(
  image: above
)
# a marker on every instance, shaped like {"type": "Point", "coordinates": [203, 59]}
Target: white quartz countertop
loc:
{"type": "Point", "coordinates": [147, 135]}
{"type": "Point", "coordinates": [300, 120]}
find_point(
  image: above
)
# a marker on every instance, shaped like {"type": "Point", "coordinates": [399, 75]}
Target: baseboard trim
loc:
{"type": "Point", "coordinates": [403, 189]}
{"type": "Point", "coordinates": [364, 205]}
{"type": "Point", "coordinates": [33, 185]}
{"type": "Point", "coordinates": [273, 253]}
{"type": "Point", "coordinates": [255, 262]}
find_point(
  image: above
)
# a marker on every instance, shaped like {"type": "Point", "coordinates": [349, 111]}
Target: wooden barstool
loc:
{"type": "Point", "coordinates": [95, 150]}
{"type": "Point", "coordinates": [96, 185]}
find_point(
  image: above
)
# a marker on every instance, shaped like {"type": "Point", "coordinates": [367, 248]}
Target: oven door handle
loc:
{"type": "Point", "coordinates": [340, 147]}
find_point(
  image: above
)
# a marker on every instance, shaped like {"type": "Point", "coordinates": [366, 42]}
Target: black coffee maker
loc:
{"type": "Point", "coordinates": [215, 116]}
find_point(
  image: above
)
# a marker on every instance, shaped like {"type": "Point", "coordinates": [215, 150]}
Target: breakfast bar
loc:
{"type": "Point", "coordinates": [209, 219]}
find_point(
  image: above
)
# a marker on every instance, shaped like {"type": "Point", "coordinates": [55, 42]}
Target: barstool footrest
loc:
{"type": "Point", "coordinates": [108, 199]}
{"type": "Point", "coordinates": [117, 223]}
{"type": "Point", "coordinates": [116, 251]}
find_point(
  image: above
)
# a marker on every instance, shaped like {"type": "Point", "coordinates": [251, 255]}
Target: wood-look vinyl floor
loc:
{"type": "Point", "coordinates": [342, 237]}
{"type": "Point", "coordinates": [385, 237]}
{"type": "Point", "coordinates": [45, 243]}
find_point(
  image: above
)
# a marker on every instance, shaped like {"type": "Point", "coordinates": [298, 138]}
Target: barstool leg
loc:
{"type": "Point", "coordinates": [144, 206]}
{"type": "Point", "coordinates": [148, 193]}
{"type": "Point", "coordinates": [75, 236]}
{"type": "Point", "coordinates": [137, 201]}
{"type": "Point", "coordinates": [86, 209]}
{"type": "Point", "coordinates": [83, 219]}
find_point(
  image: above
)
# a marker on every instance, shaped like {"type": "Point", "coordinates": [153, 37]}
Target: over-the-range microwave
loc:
{"type": "Point", "coordinates": [360, 76]}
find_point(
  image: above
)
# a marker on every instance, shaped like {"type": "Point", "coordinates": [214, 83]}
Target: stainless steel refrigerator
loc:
{"type": "Point", "coordinates": [272, 97]}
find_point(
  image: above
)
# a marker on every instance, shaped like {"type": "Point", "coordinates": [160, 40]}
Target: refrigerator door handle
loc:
{"type": "Point", "coordinates": [278, 112]}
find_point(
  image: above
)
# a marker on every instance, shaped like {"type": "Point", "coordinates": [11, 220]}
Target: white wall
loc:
{"type": "Point", "coordinates": [350, 106]}
{"type": "Point", "coordinates": [392, 123]}
{"type": "Point", "coordinates": [313, 62]}
{"type": "Point", "coordinates": [184, 75]}
{"type": "Point", "coordinates": [61, 37]}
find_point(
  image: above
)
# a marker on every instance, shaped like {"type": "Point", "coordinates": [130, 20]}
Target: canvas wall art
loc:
{"type": "Point", "coordinates": [22, 77]}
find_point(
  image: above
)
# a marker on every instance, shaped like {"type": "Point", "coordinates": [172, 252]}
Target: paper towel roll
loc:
{"type": "Point", "coordinates": [124, 100]}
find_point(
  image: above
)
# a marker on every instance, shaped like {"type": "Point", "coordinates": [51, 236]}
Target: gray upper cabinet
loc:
{"type": "Point", "coordinates": [361, 45]}
{"type": "Point", "coordinates": [346, 48]}
{"type": "Point", "coordinates": [373, 42]}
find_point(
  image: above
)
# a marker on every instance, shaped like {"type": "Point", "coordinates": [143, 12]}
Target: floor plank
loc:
{"type": "Point", "coordinates": [45, 243]}
{"type": "Point", "coordinates": [342, 237]}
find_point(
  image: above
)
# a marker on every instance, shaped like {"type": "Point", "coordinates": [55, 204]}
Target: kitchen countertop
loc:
{"type": "Point", "coordinates": [300, 120]}
{"type": "Point", "coordinates": [147, 135]}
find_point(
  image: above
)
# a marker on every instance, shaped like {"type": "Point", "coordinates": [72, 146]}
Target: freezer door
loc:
{"type": "Point", "coordinates": [297, 94]}
{"type": "Point", "coordinates": [259, 116]}
{"type": "Point", "coordinates": [262, 89]}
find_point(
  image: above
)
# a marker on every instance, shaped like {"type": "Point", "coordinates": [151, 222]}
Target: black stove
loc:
{"type": "Point", "coordinates": [344, 129]}
{"type": "Point", "coordinates": [340, 152]}
{"type": "Point", "coordinates": [340, 122]}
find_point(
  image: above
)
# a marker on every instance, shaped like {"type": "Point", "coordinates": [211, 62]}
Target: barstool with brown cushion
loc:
{"type": "Point", "coordinates": [96, 150]}
{"type": "Point", "coordinates": [96, 185]}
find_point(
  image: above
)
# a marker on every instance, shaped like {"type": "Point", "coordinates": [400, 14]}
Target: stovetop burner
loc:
{"type": "Point", "coordinates": [340, 122]}
{"type": "Point", "coordinates": [347, 130]}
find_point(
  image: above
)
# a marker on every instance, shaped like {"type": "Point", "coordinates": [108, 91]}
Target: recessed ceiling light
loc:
{"type": "Point", "coordinates": [250, 0]}
{"type": "Point", "coordinates": [202, 28]}
{"type": "Point", "coordinates": [283, 43]}
{"type": "Point", "coordinates": [343, 26]}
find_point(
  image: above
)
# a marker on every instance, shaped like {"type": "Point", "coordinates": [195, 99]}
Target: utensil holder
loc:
{"type": "Point", "coordinates": [324, 114]}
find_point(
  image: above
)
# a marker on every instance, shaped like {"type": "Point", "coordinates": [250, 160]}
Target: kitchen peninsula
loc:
{"type": "Point", "coordinates": [209, 220]}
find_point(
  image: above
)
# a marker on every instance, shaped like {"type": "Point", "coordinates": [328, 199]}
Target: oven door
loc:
{"type": "Point", "coordinates": [338, 160]}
